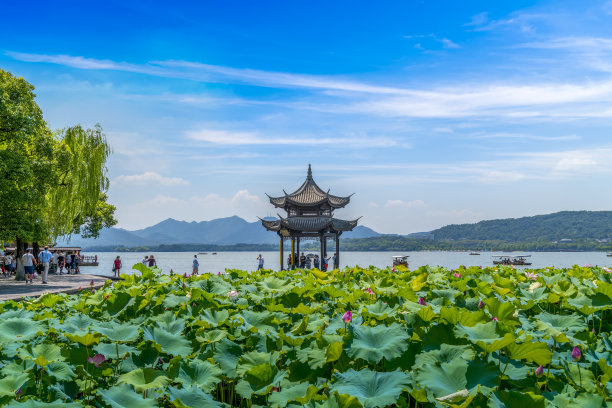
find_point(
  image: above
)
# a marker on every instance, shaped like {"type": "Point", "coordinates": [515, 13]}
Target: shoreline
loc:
{"type": "Point", "coordinates": [11, 289]}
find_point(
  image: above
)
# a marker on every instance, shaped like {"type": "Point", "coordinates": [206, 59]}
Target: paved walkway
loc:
{"type": "Point", "coordinates": [10, 289]}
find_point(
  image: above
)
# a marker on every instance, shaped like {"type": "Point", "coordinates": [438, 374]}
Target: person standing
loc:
{"type": "Point", "coordinates": [117, 267]}
{"type": "Point", "coordinates": [8, 264]}
{"type": "Point", "coordinates": [77, 261]}
{"type": "Point", "coordinates": [260, 262]}
{"type": "Point", "coordinates": [145, 260]}
{"type": "Point", "coordinates": [152, 262]}
{"type": "Point", "coordinates": [54, 262]}
{"type": "Point", "coordinates": [28, 265]}
{"type": "Point", "coordinates": [61, 259]}
{"type": "Point", "coordinates": [302, 260]}
{"type": "Point", "coordinates": [196, 265]}
{"type": "Point", "coordinates": [316, 261]}
{"type": "Point", "coordinates": [45, 258]}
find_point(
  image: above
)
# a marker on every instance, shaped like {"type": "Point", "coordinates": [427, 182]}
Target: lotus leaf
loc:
{"type": "Point", "coordinates": [124, 396]}
{"type": "Point", "coordinates": [371, 388]}
{"type": "Point", "coordinates": [378, 342]}
{"type": "Point", "coordinates": [201, 374]}
{"type": "Point", "coordinates": [169, 342]}
{"type": "Point", "coordinates": [193, 397]}
{"type": "Point", "coordinates": [18, 329]}
{"type": "Point", "coordinates": [143, 379]}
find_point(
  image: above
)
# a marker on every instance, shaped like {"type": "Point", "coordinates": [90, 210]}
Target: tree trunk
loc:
{"type": "Point", "coordinates": [20, 248]}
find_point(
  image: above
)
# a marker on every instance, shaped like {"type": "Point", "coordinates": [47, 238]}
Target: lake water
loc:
{"type": "Point", "coordinates": [181, 262]}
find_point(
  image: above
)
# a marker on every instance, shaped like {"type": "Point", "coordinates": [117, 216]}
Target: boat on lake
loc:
{"type": "Point", "coordinates": [511, 260]}
{"type": "Point", "coordinates": [609, 254]}
{"type": "Point", "coordinates": [474, 253]}
{"type": "Point", "coordinates": [400, 260]}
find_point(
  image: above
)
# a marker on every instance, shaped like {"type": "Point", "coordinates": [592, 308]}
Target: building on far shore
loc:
{"type": "Point", "coordinates": [310, 215]}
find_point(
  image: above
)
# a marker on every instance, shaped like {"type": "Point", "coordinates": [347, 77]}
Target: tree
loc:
{"type": "Point", "coordinates": [50, 185]}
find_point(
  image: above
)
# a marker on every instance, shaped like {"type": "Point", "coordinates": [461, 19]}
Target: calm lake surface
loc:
{"type": "Point", "coordinates": [180, 262]}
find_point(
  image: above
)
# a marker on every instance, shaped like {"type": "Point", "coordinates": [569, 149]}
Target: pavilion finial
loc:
{"type": "Point", "coordinates": [309, 175]}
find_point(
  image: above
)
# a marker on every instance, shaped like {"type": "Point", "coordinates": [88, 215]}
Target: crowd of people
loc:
{"type": "Point", "coordinates": [43, 263]}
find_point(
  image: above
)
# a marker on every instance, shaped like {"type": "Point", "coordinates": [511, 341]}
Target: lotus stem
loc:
{"type": "Point", "coordinates": [603, 312]}
{"type": "Point", "coordinates": [579, 373]}
{"type": "Point", "coordinates": [549, 363]}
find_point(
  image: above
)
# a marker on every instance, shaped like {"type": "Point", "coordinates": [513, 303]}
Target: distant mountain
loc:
{"type": "Point", "coordinates": [564, 225]}
{"type": "Point", "coordinates": [221, 231]}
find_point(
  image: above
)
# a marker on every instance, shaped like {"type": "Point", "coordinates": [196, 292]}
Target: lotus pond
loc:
{"type": "Point", "coordinates": [493, 337]}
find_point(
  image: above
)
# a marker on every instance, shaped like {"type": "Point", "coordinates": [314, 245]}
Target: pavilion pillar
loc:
{"type": "Point", "coordinates": [282, 261]}
{"type": "Point", "coordinates": [292, 252]}
{"type": "Point", "coordinates": [298, 252]}
{"type": "Point", "coordinates": [337, 263]}
{"type": "Point", "coordinates": [321, 262]}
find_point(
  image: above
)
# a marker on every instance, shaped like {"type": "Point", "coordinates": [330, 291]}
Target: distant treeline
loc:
{"type": "Point", "coordinates": [380, 243]}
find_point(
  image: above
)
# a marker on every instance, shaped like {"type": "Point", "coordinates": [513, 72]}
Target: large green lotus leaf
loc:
{"type": "Point", "coordinates": [445, 354]}
{"type": "Point", "coordinates": [42, 354]}
{"type": "Point", "coordinates": [212, 336]}
{"type": "Point", "coordinates": [448, 294]}
{"type": "Point", "coordinates": [61, 370]}
{"type": "Point", "coordinates": [482, 375]}
{"type": "Point", "coordinates": [274, 285]}
{"type": "Point", "coordinates": [515, 370]}
{"type": "Point", "coordinates": [214, 317]}
{"type": "Point", "coordinates": [313, 355]}
{"type": "Point", "coordinates": [381, 310]}
{"type": "Point", "coordinates": [171, 300]}
{"type": "Point", "coordinates": [227, 353]}
{"type": "Point", "coordinates": [18, 329]}
{"type": "Point", "coordinates": [112, 350]}
{"type": "Point", "coordinates": [536, 352]}
{"type": "Point", "coordinates": [170, 343]}
{"type": "Point", "coordinates": [259, 321]}
{"type": "Point", "coordinates": [143, 379]}
{"type": "Point", "coordinates": [21, 313]}
{"type": "Point", "coordinates": [536, 295]}
{"type": "Point", "coordinates": [8, 385]}
{"type": "Point", "coordinates": [503, 311]}
{"type": "Point", "coordinates": [371, 388]}
{"type": "Point", "coordinates": [378, 342]}
{"type": "Point", "coordinates": [454, 315]}
{"type": "Point", "coordinates": [564, 288]}
{"type": "Point", "coordinates": [119, 332]}
{"type": "Point", "coordinates": [583, 400]}
{"type": "Point", "coordinates": [217, 286]}
{"type": "Point", "coordinates": [38, 404]}
{"type": "Point", "coordinates": [170, 323]}
{"type": "Point", "coordinates": [259, 380]}
{"type": "Point", "coordinates": [201, 374]}
{"type": "Point", "coordinates": [300, 392]}
{"type": "Point", "coordinates": [560, 326]}
{"type": "Point", "coordinates": [124, 396]}
{"type": "Point", "coordinates": [516, 399]}
{"type": "Point", "coordinates": [255, 358]}
{"type": "Point", "coordinates": [443, 379]}
{"type": "Point", "coordinates": [192, 397]}
{"type": "Point", "coordinates": [485, 335]}
{"type": "Point", "coordinates": [15, 368]}
{"type": "Point", "coordinates": [116, 303]}
{"type": "Point", "coordinates": [86, 339]}
{"type": "Point", "coordinates": [75, 324]}
{"type": "Point", "coordinates": [591, 304]}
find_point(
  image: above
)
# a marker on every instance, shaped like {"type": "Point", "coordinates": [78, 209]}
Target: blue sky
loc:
{"type": "Point", "coordinates": [430, 112]}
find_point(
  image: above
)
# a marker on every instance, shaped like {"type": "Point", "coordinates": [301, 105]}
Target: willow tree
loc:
{"type": "Point", "coordinates": [77, 203]}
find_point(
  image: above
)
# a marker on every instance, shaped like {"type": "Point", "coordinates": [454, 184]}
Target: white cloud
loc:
{"type": "Point", "coordinates": [150, 178]}
{"type": "Point", "coordinates": [405, 204]}
{"type": "Point", "coordinates": [575, 163]}
{"type": "Point", "coordinates": [446, 43]}
{"type": "Point", "coordinates": [225, 137]}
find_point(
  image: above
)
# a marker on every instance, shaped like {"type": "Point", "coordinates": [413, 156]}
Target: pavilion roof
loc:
{"type": "Point", "coordinates": [309, 224]}
{"type": "Point", "coordinates": [309, 194]}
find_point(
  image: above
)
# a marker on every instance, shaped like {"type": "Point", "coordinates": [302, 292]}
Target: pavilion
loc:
{"type": "Point", "coordinates": [310, 215]}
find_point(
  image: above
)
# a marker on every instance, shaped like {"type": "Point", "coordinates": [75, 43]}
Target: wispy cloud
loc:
{"type": "Point", "coordinates": [524, 21]}
{"type": "Point", "coordinates": [225, 137]}
{"type": "Point", "coordinates": [595, 52]}
{"type": "Point", "coordinates": [149, 178]}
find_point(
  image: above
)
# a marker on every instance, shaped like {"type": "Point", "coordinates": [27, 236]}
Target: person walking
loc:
{"type": "Point", "coordinates": [28, 265]}
{"type": "Point", "coordinates": [196, 265]}
{"type": "Point", "coordinates": [117, 266]}
{"type": "Point", "coordinates": [54, 262]}
{"type": "Point", "coordinates": [260, 262]}
{"type": "Point", "coordinates": [45, 258]}
{"type": "Point", "coordinates": [61, 259]}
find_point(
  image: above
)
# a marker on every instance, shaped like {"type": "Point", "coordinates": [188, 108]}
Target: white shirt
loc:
{"type": "Point", "coordinates": [28, 259]}
{"type": "Point", "coordinates": [54, 258]}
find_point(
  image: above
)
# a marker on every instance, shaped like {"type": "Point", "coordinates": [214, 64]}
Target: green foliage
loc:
{"type": "Point", "coordinates": [184, 342]}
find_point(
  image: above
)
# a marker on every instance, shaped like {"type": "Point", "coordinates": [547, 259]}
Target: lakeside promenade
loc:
{"type": "Point", "coordinates": [10, 289]}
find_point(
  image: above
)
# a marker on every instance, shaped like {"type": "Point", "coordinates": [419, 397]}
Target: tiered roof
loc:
{"type": "Point", "coordinates": [309, 194]}
{"type": "Point", "coordinates": [309, 224]}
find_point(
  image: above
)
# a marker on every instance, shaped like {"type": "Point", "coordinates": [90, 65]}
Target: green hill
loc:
{"type": "Point", "coordinates": [574, 225]}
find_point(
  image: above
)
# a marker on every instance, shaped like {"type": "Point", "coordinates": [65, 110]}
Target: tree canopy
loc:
{"type": "Point", "coordinates": [51, 184]}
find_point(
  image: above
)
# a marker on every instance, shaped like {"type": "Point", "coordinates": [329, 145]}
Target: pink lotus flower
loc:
{"type": "Point", "coordinates": [587, 265]}
{"type": "Point", "coordinates": [91, 283]}
{"type": "Point", "coordinates": [219, 273]}
{"type": "Point", "coordinates": [494, 319]}
{"type": "Point", "coordinates": [392, 269]}
{"type": "Point", "coordinates": [274, 389]}
{"type": "Point", "coordinates": [232, 294]}
{"type": "Point", "coordinates": [539, 371]}
{"type": "Point", "coordinates": [96, 360]}
{"type": "Point", "coordinates": [422, 302]}
{"type": "Point", "coordinates": [457, 275]}
{"type": "Point", "coordinates": [347, 317]}
{"type": "Point", "coordinates": [107, 296]}
{"type": "Point", "coordinates": [369, 291]}
{"type": "Point", "coordinates": [576, 354]}
{"type": "Point", "coordinates": [481, 304]}
{"type": "Point", "coordinates": [93, 291]}
{"type": "Point", "coordinates": [185, 275]}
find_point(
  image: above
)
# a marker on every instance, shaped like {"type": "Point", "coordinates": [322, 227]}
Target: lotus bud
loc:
{"type": "Point", "coordinates": [576, 354]}
{"type": "Point", "coordinates": [80, 288]}
{"type": "Point", "coordinates": [481, 304]}
{"type": "Point", "coordinates": [107, 296]}
{"type": "Point", "coordinates": [369, 291]}
{"type": "Point", "coordinates": [392, 269]}
{"type": "Point", "coordinates": [587, 265]}
{"type": "Point", "coordinates": [422, 302]}
{"type": "Point", "coordinates": [96, 360]}
{"type": "Point", "coordinates": [160, 361]}
{"type": "Point", "coordinates": [184, 286]}
{"type": "Point", "coordinates": [494, 319]}
{"type": "Point", "coordinates": [18, 392]}
{"type": "Point", "coordinates": [171, 272]}
{"type": "Point", "coordinates": [274, 389]}
{"type": "Point", "coordinates": [347, 317]}
{"type": "Point", "coordinates": [593, 331]}
{"type": "Point", "coordinates": [539, 371]}
{"type": "Point", "coordinates": [185, 275]}
{"type": "Point", "coordinates": [93, 291]}
{"type": "Point", "coordinates": [457, 275]}
{"type": "Point", "coordinates": [91, 283]}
